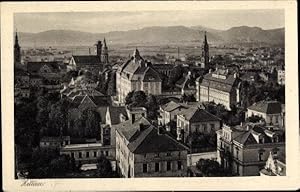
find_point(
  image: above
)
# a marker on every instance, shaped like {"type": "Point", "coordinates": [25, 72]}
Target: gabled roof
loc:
{"type": "Point", "coordinates": [149, 141]}
{"type": "Point", "coordinates": [128, 129]}
{"type": "Point", "coordinates": [195, 114]}
{"type": "Point", "coordinates": [268, 107]}
{"type": "Point", "coordinates": [86, 59]}
{"type": "Point", "coordinates": [170, 106]}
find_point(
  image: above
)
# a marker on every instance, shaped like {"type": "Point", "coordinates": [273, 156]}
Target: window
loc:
{"type": "Point", "coordinates": [80, 155]}
{"type": "Point", "coordinates": [276, 119]}
{"type": "Point", "coordinates": [72, 155]}
{"type": "Point", "coordinates": [87, 154]}
{"type": "Point", "coordinates": [168, 154]}
{"type": "Point", "coordinates": [260, 155]}
{"type": "Point", "coordinates": [106, 153]}
{"type": "Point", "coordinates": [204, 128]}
{"type": "Point", "coordinates": [144, 168]}
{"type": "Point", "coordinates": [157, 155]}
{"type": "Point", "coordinates": [179, 154]}
{"type": "Point", "coordinates": [237, 153]}
{"type": "Point", "coordinates": [261, 140]}
{"type": "Point", "coordinates": [95, 153]}
{"type": "Point", "coordinates": [212, 126]}
{"type": "Point", "coordinates": [179, 165]}
{"type": "Point", "coordinates": [156, 167]}
{"type": "Point", "coordinates": [168, 165]}
{"type": "Point", "coordinates": [238, 169]}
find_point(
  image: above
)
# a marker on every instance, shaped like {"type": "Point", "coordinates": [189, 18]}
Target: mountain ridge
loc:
{"type": "Point", "coordinates": [154, 34]}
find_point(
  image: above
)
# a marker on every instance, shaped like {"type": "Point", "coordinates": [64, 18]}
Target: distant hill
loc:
{"type": "Point", "coordinates": [154, 35]}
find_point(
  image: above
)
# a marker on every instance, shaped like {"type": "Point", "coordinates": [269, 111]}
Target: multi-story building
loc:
{"type": "Point", "coordinates": [270, 111]}
{"type": "Point", "coordinates": [137, 74]}
{"type": "Point", "coordinates": [244, 149]}
{"type": "Point", "coordinates": [220, 86]}
{"type": "Point", "coordinates": [142, 150]}
{"type": "Point", "coordinates": [196, 120]}
{"type": "Point", "coordinates": [54, 142]}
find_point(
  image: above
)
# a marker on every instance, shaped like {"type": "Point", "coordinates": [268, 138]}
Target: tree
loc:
{"type": "Point", "coordinates": [91, 123]}
{"type": "Point", "coordinates": [175, 74]}
{"type": "Point", "coordinates": [210, 168]}
{"type": "Point", "coordinates": [128, 98]}
{"type": "Point", "coordinates": [104, 168]}
{"type": "Point", "coordinates": [152, 107]}
{"type": "Point", "coordinates": [254, 119]}
{"type": "Point", "coordinates": [138, 99]}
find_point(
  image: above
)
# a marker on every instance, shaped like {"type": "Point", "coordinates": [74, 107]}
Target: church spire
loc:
{"type": "Point", "coordinates": [205, 51]}
{"type": "Point", "coordinates": [17, 49]}
{"type": "Point", "coordinates": [104, 52]}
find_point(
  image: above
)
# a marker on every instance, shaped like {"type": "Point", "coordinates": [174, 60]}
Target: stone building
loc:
{"type": "Point", "coordinates": [243, 150]}
{"type": "Point", "coordinates": [142, 150]}
{"type": "Point", "coordinates": [137, 74]}
{"type": "Point", "coordinates": [196, 120]}
{"type": "Point", "coordinates": [93, 63]}
{"type": "Point", "coordinates": [219, 86]}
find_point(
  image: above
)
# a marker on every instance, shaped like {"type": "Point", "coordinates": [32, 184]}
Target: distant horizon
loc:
{"type": "Point", "coordinates": [104, 22]}
{"type": "Point", "coordinates": [147, 27]}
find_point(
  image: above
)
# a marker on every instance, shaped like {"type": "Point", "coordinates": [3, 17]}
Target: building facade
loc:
{"type": "Point", "coordinates": [243, 150]}
{"type": "Point", "coordinates": [143, 151]}
{"type": "Point", "coordinates": [137, 74]}
{"type": "Point", "coordinates": [220, 87]}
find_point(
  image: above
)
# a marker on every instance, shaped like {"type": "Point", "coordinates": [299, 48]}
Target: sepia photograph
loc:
{"type": "Point", "coordinates": [116, 94]}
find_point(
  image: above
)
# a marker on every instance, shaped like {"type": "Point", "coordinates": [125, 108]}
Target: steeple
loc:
{"type": "Point", "coordinates": [104, 52]}
{"type": "Point", "coordinates": [17, 50]}
{"type": "Point", "coordinates": [205, 52]}
{"type": "Point", "coordinates": [99, 49]}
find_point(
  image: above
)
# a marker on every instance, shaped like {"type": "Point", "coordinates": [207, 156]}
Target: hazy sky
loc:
{"type": "Point", "coordinates": [98, 22]}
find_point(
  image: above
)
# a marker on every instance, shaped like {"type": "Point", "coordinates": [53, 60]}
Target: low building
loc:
{"type": "Point", "coordinates": [270, 111]}
{"type": "Point", "coordinates": [88, 153]}
{"type": "Point", "coordinates": [142, 150]}
{"type": "Point", "coordinates": [244, 149]}
{"type": "Point", "coordinates": [54, 142]}
{"type": "Point", "coordinates": [275, 166]}
{"type": "Point", "coordinates": [196, 120]}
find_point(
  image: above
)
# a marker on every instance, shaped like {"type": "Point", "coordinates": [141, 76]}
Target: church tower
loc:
{"type": "Point", "coordinates": [99, 49]}
{"type": "Point", "coordinates": [205, 52]}
{"type": "Point", "coordinates": [17, 50]}
{"type": "Point", "coordinates": [104, 52]}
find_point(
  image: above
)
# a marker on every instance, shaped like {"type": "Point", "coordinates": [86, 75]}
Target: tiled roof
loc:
{"type": "Point", "coordinates": [128, 129]}
{"type": "Point", "coordinates": [194, 114]}
{"type": "Point", "coordinates": [225, 85]}
{"type": "Point", "coordinates": [149, 141]}
{"type": "Point", "coordinates": [171, 106]}
{"type": "Point", "coordinates": [34, 67]}
{"type": "Point", "coordinates": [86, 60]}
{"type": "Point", "coordinates": [268, 107]}
{"type": "Point", "coordinates": [115, 113]}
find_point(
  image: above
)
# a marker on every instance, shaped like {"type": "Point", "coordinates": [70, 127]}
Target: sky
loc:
{"type": "Point", "coordinates": [101, 22]}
